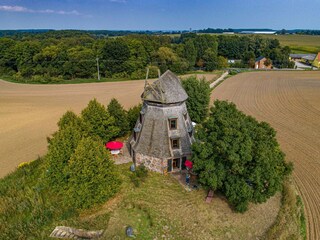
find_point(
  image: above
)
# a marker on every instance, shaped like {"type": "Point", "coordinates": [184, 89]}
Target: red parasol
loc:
{"type": "Point", "coordinates": [114, 145]}
{"type": "Point", "coordinates": [188, 164]}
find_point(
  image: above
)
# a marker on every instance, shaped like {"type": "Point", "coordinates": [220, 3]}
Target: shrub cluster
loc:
{"type": "Point", "coordinates": [77, 164]}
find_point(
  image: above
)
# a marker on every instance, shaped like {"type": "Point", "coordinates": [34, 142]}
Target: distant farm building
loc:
{"type": "Point", "coordinates": [304, 58]}
{"type": "Point", "coordinates": [261, 63]}
{"type": "Point", "coordinates": [308, 59]}
{"type": "Point", "coordinates": [316, 61]}
{"type": "Point", "coordinates": [258, 32]}
{"type": "Point", "coordinates": [163, 134]}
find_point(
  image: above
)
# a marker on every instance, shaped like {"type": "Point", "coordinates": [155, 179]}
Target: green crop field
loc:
{"type": "Point", "coordinates": [298, 43]}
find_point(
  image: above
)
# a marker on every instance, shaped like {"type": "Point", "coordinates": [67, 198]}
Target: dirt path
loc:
{"type": "Point", "coordinates": [29, 113]}
{"type": "Point", "coordinates": [290, 102]}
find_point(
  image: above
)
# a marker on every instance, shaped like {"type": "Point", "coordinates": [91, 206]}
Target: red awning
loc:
{"type": "Point", "coordinates": [114, 145]}
{"type": "Point", "coordinates": [188, 164]}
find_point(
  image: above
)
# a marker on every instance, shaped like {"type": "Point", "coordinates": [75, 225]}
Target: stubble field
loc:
{"type": "Point", "coordinates": [290, 102]}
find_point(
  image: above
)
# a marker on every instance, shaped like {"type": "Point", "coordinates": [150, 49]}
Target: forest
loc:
{"type": "Point", "coordinates": [54, 56]}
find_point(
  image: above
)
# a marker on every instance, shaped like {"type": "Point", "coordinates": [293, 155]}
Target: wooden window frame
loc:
{"type": "Point", "coordinates": [178, 143]}
{"type": "Point", "coordinates": [176, 123]}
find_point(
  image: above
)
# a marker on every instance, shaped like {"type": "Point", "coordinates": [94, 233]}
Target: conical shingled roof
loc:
{"type": "Point", "coordinates": [167, 89]}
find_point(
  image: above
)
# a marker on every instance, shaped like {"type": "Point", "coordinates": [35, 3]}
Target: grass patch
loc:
{"type": "Point", "coordinates": [72, 81]}
{"type": "Point", "coordinates": [157, 208]}
{"type": "Point", "coordinates": [291, 222]}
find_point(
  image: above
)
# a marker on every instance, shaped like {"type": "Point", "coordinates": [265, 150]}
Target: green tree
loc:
{"type": "Point", "coordinates": [93, 177]}
{"type": "Point", "coordinates": [115, 55]}
{"type": "Point", "coordinates": [98, 121]}
{"type": "Point", "coordinates": [248, 59]}
{"type": "Point", "coordinates": [211, 59]}
{"type": "Point", "coordinates": [133, 115]}
{"type": "Point", "coordinates": [190, 52]}
{"type": "Point", "coordinates": [165, 58]}
{"type": "Point", "coordinates": [199, 97]}
{"type": "Point", "coordinates": [239, 156]}
{"type": "Point", "coordinates": [60, 149]}
{"type": "Point", "coordinates": [116, 110]}
{"type": "Point", "coordinates": [70, 119]}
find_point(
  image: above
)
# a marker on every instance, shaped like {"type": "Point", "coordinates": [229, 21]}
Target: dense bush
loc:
{"type": "Point", "coordinates": [238, 156]}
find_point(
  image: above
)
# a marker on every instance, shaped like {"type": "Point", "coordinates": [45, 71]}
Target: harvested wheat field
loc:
{"type": "Point", "coordinates": [29, 113]}
{"type": "Point", "coordinates": [290, 102]}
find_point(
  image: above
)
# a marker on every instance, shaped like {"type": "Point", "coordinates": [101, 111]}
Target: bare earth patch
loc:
{"type": "Point", "coordinates": [290, 102]}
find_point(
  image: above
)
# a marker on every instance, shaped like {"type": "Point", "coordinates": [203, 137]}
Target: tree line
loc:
{"type": "Point", "coordinates": [62, 55]}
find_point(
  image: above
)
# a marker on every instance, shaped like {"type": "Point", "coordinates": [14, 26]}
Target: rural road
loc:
{"type": "Point", "coordinates": [290, 102]}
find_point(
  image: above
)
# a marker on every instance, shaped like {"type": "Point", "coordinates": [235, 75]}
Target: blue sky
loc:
{"type": "Point", "coordinates": [159, 14]}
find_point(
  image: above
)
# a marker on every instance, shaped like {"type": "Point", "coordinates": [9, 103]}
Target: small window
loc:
{"type": "Point", "coordinates": [175, 143]}
{"type": "Point", "coordinates": [173, 124]}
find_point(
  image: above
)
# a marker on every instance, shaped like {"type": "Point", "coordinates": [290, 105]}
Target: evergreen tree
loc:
{"type": "Point", "coordinates": [120, 115]}
{"type": "Point", "coordinates": [61, 147]}
{"type": "Point", "coordinates": [70, 118]}
{"type": "Point", "coordinates": [133, 115]}
{"type": "Point", "coordinates": [93, 177]}
{"type": "Point", "coordinates": [239, 156]}
{"type": "Point", "coordinates": [99, 122]}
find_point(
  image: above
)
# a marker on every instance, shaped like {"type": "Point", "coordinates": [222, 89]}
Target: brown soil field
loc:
{"type": "Point", "coordinates": [290, 102]}
{"type": "Point", "coordinates": [29, 113]}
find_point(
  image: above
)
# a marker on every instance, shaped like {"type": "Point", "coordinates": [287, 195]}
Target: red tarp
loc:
{"type": "Point", "coordinates": [188, 164]}
{"type": "Point", "coordinates": [114, 145]}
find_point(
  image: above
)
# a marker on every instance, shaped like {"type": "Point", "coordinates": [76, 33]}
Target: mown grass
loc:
{"type": "Point", "coordinates": [291, 222]}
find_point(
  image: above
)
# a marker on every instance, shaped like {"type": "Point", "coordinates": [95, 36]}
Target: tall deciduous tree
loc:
{"type": "Point", "coordinates": [115, 55]}
{"type": "Point", "coordinates": [98, 121]}
{"type": "Point", "coordinates": [199, 98]}
{"type": "Point", "coordinates": [239, 156]}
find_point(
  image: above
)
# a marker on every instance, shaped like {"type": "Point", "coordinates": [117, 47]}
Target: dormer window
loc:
{"type": "Point", "coordinates": [173, 124]}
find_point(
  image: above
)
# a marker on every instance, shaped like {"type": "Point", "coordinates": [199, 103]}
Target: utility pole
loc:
{"type": "Point", "coordinates": [98, 68]}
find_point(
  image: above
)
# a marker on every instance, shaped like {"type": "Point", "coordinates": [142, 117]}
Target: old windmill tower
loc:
{"type": "Point", "coordinates": [163, 133]}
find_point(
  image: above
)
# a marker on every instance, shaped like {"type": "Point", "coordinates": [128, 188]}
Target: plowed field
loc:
{"type": "Point", "coordinates": [29, 113]}
{"type": "Point", "coordinates": [290, 102]}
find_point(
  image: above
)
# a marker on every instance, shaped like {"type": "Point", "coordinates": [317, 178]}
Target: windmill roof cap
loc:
{"type": "Point", "coordinates": [167, 89]}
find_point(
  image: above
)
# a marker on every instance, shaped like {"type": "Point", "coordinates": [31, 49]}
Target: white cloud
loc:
{"type": "Point", "coordinates": [27, 10]}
